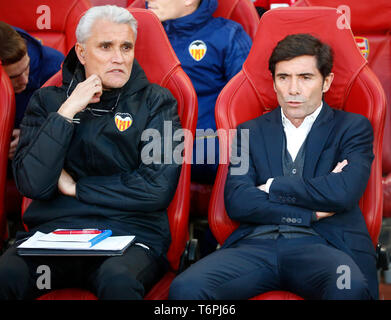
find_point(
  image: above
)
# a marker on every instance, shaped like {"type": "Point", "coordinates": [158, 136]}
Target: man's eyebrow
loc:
{"type": "Point", "coordinates": [105, 42]}
{"type": "Point", "coordinates": [110, 42]}
{"type": "Point", "coordinates": [300, 74]}
{"type": "Point", "coordinates": [306, 74]}
{"type": "Point", "coordinates": [128, 43]}
{"type": "Point", "coordinates": [282, 74]}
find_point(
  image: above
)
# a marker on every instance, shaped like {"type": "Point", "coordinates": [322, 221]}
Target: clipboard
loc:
{"type": "Point", "coordinates": [111, 246]}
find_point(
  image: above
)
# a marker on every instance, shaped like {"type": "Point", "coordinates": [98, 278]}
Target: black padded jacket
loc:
{"type": "Point", "coordinates": [115, 189]}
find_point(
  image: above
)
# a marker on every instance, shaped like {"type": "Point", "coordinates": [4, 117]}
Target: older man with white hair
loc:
{"type": "Point", "coordinates": [79, 159]}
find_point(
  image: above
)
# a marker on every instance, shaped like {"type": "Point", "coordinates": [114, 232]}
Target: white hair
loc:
{"type": "Point", "coordinates": [112, 13]}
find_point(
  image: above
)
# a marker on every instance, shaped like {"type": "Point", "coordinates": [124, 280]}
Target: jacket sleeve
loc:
{"type": "Point", "coordinates": [238, 50]}
{"type": "Point", "coordinates": [151, 186]}
{"type": "Point", "coordinates": [244, 202]}
{"type": "Point", "coordinates": [333, 192]}
{"type": "Point", "coordinates": [44, 140]}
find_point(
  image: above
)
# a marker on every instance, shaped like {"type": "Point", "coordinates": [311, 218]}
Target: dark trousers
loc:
{"type": "Point", "coordinates": [129, 276]}
{"type": "Point", "coordinates": [307, 266]}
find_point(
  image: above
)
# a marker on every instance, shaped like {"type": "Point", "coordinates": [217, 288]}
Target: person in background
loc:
{"type": "Point", "coordinates": [211, 51]}
{"type": "Point", "coordinates": [29, 64]}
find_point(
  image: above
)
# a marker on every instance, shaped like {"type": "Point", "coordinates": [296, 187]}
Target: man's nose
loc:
{"type": "Point", "coordinates": [23, 79]}
{"type": "Point", "coordinates": [117, 56]}
{"type": "Point", "coordinates": [294, 87]}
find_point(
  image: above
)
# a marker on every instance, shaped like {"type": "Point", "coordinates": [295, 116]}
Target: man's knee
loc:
{"type": "Point", "coordinates": [14, 282]}
{"type": "Point", "coordinates": [355, 289]}
{"type": "Point", "coordinates": [185, 288]}
{"type": "Point", "coordinates": [178, 290]}
{"type": "Point", "coordinates": [118, 284]}
{"type": "Point", "coordinates": [359, 291]}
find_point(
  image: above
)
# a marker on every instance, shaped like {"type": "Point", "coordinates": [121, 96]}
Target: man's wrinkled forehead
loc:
{"type": "Point", "coordinates": [106, 31]}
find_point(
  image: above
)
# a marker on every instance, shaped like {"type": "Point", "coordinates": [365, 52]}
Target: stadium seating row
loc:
{"type": "Point", "coordinates": [356, 89]}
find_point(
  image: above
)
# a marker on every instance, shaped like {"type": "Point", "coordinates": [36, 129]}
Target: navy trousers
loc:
{"type": "Point", "coordinates": [307, 266]}
{"type": "Point", "coordinates": [128, 276]}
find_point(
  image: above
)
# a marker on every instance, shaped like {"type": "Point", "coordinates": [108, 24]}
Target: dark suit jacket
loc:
{"type": "Point", "coordinates": [335, 136]}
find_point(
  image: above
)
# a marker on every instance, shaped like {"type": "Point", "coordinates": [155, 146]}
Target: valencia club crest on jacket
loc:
{"type": "Point", "coordinates": [123, 121]}
{"type": "Point", "coordinates": [197, 49]}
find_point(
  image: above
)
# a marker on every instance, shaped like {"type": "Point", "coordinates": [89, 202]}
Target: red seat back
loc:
{"type": "Point", "coordinates": [119, 3]}
{"type": "Point", "coordinates": [250, 94]}
{"type": "Point", "coordinates": [268, 4]}
{"type": "Point", "coordinates": [137, 4]}
{"type": "Point", "coordinates": [53, 22]}
{"type": "Point", "coordinates": [371, 26]}
{"type": "Point", "coordinates": [165, 70]}
{"type": "Point", "coordinates": [129, 2]}
{"type": "Point", "coordinates": [7, 114]}
{"type": "Point", "coordinates": [241, 11]}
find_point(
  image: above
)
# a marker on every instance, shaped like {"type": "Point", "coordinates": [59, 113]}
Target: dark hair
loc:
{"type": "Point", "coordinates": [13, 47]}
{"type": "Point", "coordinates": [302, 44]}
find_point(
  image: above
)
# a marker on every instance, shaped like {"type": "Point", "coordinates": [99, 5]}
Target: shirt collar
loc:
{"type": "Point", "coordinates": [309, 120]}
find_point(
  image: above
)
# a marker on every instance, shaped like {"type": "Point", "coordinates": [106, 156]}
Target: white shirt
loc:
{"type": "Point", "coordinates": [295, 137]}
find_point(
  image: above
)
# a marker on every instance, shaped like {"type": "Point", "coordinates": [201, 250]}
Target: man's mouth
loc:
{"type": "Point", "coordinates": [294, 103]}
{"type": "Point", "coordinates": [116, 71]}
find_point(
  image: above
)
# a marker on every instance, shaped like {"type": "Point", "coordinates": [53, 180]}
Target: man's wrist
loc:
{"type": "Point", "coordinates": [66, 118]}
{"type": "Point", "coordinates": [64, 111]}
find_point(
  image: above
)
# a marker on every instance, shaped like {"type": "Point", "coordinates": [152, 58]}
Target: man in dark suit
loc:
{"type": "Point", "coordinates": [301, 228]}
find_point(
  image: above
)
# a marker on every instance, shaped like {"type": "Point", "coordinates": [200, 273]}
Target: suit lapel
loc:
{"type": "Point", "coordinates": [317, 138]}
{"type": "Point", "coordinates": [272, 133]}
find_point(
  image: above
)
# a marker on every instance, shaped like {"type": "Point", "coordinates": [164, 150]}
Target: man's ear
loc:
{"type": "Point", "coordinates": [327, 82]}
{"type": "Point", "coordinates": [274, 86]}
{"type": "Point", "coordinates": [80, 52]}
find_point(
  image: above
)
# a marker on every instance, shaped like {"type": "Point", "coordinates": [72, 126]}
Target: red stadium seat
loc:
{"type": "Point", "coordinates": [129, 2]}
{"type": "Point", "coordinates": [262, 3]}
{"type": "Point", "coordinates": [165, 70]}
{"type": "Point", "coordinates": [119, 3]}
{"type": "Point", "coordinates": [53, 22]}
{"type": "Point", "coordinates": [371, 25]}
{"type": "Point", "coordinates": [243, 12]}
{"type": "Point", "coordinates": [137, 4]}
{"type": "Point", "coordinates": [250, 94]}
{"type": "Point", "coordinates": [269, 4]}
{"type": "Point", "coordinates": [7, 114]}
